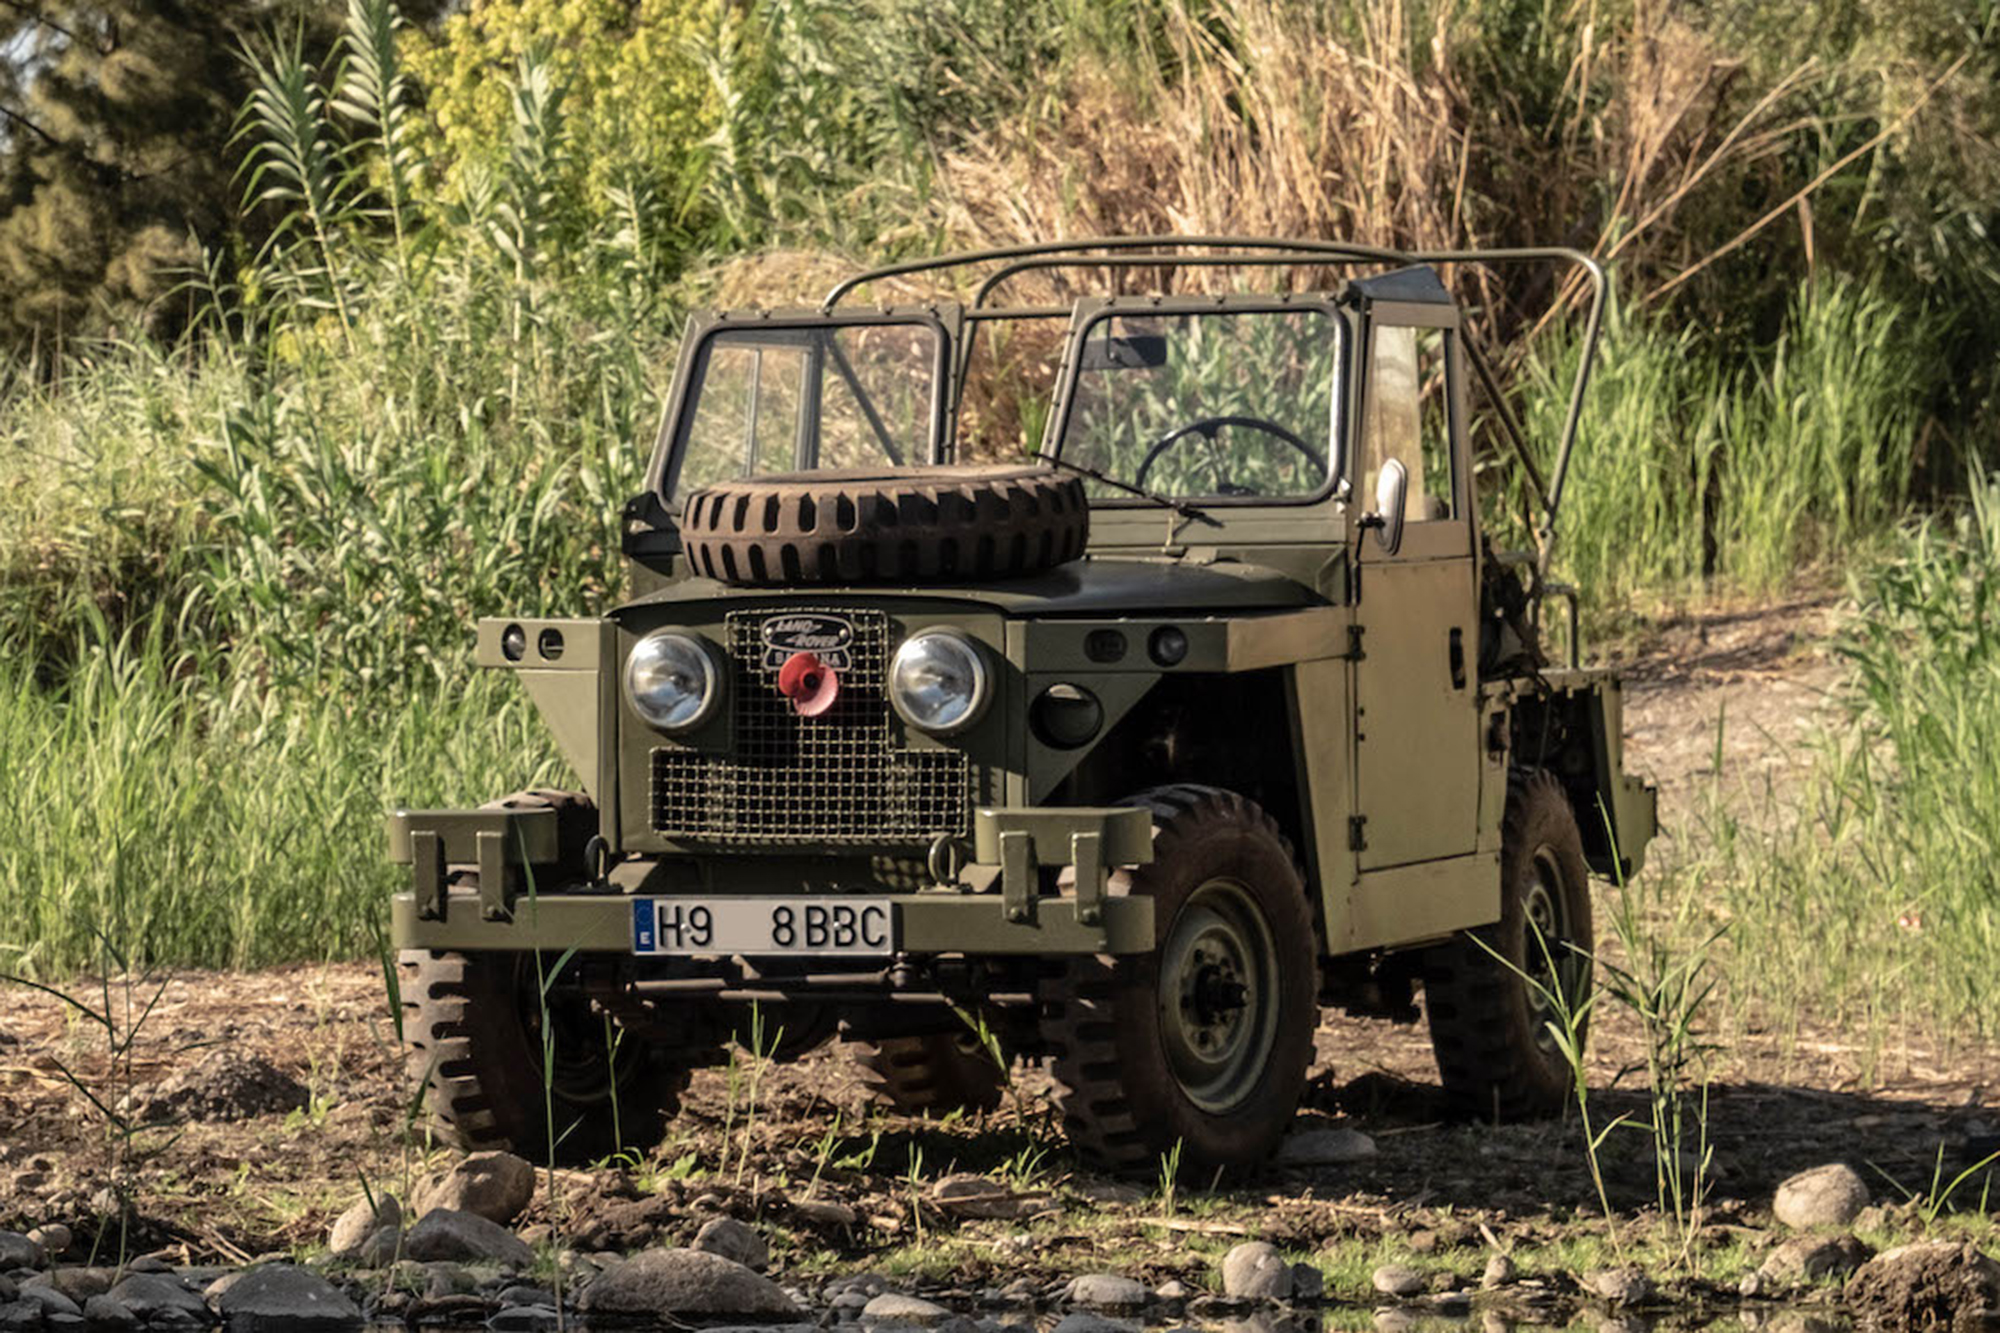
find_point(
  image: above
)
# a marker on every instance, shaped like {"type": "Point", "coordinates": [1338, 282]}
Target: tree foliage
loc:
{"type": "Point", "coordinates": [638, 106]}
{"type": "Point", "coordinates": [112, 166]}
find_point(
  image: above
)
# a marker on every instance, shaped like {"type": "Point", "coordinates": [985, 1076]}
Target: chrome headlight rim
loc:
{"type": "Point", "coordinates": [712, 680]}
{"type": "Point", "coordinates": [982, 681]}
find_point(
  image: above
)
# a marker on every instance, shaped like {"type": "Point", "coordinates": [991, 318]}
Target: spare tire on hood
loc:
{"type": "Point", "coordinates": [885, 525]}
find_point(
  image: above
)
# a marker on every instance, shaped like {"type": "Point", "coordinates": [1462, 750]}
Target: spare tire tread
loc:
{"type": "Point", "coordinates": [903, 525]}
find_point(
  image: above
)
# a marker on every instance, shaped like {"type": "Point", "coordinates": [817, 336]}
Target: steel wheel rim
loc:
{"type": "Point", "coordinates": [582, 1071]}
{"type": "Point", "coordinates": [1550, 963]}
{"type": "Point", "coordinates": [1217, 995]}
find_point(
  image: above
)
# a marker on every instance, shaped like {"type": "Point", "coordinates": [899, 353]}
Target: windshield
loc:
{"type": "Point", "coordinates": [769, 400]}
{"type": "Point", "coordinates": [1209, 405]}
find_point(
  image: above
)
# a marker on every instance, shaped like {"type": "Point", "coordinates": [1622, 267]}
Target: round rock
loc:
{"type": "Point", "coordinates": [1398, 1280]}
{"type": "Point", "coordinates": [80, 1284]}
{"type": "Point", "coordinates": [1826, 1196]}
{"type": "Point", "coordinates": [687, 1282]}
{"type": "Point", "coordinates": [101, 1312]}
{"type": "Point", "coordinates": [53, 1237]}
{"type": "Point", "coordinates": [156, 1298]}
{"type": "Point", "coordinates": [456, 1237]}
{"type": "Point", "coordinates": [280, 1297]}
{"type": "Point", "coordinates": [895, 1308]}
{"type": "Point", "coordinates": [733, 1240]}
{"type": "Point", "coordinates": [494, 1185]}
{"type": "Point", "coordinates": [17, 1251]}
{"type": "Point", "coordinates": [52, 1301]}
{"type": "Point", "coordinates": [1500, 1271]}
{"type": "Point", "coordinates": [1810, 1258]}
{"type": "Point", "coordinates": [1106, 1291]}
{"type": "Point", "coordinates": [825, 1213]}
{"type": "Point", "coordinates": [1256, 1271]}
{"type": "Point", "coordinates": [352, 1230]}
{"type": "Point", "coordinates": [1618, 1287]}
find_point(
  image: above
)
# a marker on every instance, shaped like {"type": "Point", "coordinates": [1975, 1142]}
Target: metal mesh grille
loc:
{"type": "Point", "coordinates": [834, 779]}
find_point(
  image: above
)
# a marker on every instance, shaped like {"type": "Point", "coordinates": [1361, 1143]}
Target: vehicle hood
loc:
{"type": "Point", "coordinates": [1093, 586]}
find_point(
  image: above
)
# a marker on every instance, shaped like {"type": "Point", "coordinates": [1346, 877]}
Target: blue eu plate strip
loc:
{"type": "Point", "coordinates": [642, 925]}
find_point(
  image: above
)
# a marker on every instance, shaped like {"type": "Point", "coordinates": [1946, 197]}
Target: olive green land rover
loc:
{"type": "Point", "coordinates": [1213, 708]}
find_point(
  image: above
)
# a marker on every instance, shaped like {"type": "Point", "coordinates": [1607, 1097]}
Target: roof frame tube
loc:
{"type": "Point", "coordinates": [1334, 250]}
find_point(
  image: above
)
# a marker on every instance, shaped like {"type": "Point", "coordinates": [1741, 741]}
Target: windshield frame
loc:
{"type": "Point", "coordinates": [1092, 311]}
{"type": "Point", "coordinates": [704, 327]}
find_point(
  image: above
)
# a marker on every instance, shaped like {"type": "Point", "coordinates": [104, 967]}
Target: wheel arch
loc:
{"type": "Point", "coordinates": [1576, 732]}
{"type": "Point", "coordinates": [1190, 729]}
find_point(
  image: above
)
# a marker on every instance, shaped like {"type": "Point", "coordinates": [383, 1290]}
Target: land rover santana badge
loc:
{"type": "Point", "coordinates": [826, 637]}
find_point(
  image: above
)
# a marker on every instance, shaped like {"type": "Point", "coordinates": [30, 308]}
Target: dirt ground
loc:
{"type": "Point", "coordinates": [1437, 1192]}
{"type": "Point", "coordinates": [1763, 679]}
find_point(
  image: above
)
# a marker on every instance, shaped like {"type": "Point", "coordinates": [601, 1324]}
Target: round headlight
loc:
{"type": "Point", "coordinates": [671, 681]}
{"type": "Point", "coordinates": [938, 681]}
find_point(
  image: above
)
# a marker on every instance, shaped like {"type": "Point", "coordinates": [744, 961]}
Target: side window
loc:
{"type": "Point", "coordinates": [1408, 417]}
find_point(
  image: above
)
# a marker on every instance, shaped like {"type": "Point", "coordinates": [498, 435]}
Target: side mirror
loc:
{"type": "Point", "coordinates": [1392, 490]}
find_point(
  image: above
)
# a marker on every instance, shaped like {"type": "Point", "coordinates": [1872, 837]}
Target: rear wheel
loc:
{"type": "Point", "coordinates": [1491, 994]}
{"type": "Point", "coordinates": [1202, 1046]}
{"type": "Point", "coordinates": [933, 1074]}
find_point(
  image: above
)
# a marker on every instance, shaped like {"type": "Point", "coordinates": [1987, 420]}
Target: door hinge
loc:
{"type": "Point", "coordinates": [1354, 652]}
{"type": "Point", "coordinates": [1357, 833]}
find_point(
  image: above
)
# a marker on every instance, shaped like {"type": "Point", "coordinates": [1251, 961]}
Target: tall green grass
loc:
{"type": "Point", "coordinates": [224, 828]}
{"type": "Point", "coordinates": [1876, 902]}
{"type": "Point", "coordinates": [1697, 467]}
{"type": "Point", "coordinates": [237, 574]}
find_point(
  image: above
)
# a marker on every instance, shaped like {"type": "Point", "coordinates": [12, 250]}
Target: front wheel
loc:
{"type": "Point", "coordinates": [1492, 994]}
{"type": "Point", "coordinates": [1199, 1049]}
{"type": "Point", "coordinates": [509, 1069]}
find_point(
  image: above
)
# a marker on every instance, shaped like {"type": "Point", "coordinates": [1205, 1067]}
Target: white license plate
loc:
{"type": "Point", "coordinates": [816, 925]}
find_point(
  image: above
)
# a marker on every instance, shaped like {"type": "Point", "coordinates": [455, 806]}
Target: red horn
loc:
{"type": "Point", "coordinates": [809, 683]}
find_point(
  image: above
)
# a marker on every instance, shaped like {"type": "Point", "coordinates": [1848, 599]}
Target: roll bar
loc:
{"type": "Point", "coordinates": [1280, 251]}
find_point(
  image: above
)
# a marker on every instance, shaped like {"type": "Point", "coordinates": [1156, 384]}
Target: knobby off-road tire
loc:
{"type": "Point", "coordinates": [933, 1074]}
{"type": "Point", "coordinates": [1150, 1051]}
{"type": "Point", "coordinates": [886, 525]}
{"type": "Point", "coordinates": [474, 1030]}
{"type": "Point", "coordinates": [473, 1023]}
{"type": "Point", "coordinates": [1489, 1025]}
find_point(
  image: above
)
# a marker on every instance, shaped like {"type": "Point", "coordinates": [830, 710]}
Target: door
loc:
{"type": "Point", "coordinates": [1416, 720]}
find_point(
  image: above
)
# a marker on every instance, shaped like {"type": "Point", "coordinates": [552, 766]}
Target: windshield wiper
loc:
{"type": "Point", "coordinates": [1181, 507]}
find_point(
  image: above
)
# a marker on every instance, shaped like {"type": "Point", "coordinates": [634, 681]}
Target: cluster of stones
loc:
{"type": "Point", "coordinates": [459, 1263]}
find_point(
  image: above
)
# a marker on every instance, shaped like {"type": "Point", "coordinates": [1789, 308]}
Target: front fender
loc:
{"type": "Point", "coordinates": [569, 668]}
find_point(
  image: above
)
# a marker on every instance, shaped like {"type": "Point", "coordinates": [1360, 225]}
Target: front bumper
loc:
{"type": "Point", "coordinates": [997, 904]}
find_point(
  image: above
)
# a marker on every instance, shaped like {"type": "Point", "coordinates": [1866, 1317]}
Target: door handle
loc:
{"type": "Point", "coordinates": [1456, 653]}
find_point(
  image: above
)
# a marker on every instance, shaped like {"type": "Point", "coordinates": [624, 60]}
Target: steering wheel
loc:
{"type": "Point", "coordinates": [1206, 429]}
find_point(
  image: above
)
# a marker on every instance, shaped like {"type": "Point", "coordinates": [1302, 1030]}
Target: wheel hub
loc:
{"type": "Point", "coordinates": [1217, 971]}
{"type": "Point", "coordinates": [1550, 964]}
{"type": "Point", "coordinates": [568, 1042]}
{"type": "Point", "coordinates": [1217, 993]}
